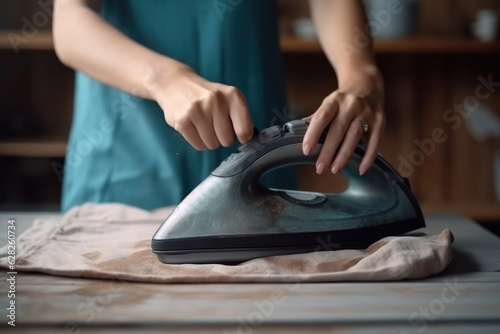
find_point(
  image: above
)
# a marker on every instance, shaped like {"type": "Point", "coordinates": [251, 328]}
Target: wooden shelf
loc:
{"type": "Point", "coordinates": [484, 212]}
{"type": "Point", "coordinates": [41, 41]}
{"type": "Point", "coordinates": [49, 147]}
{"type": "Point", "coordinates": [292, 44]}
{"type": "Point", "coordinates": [436, 45]}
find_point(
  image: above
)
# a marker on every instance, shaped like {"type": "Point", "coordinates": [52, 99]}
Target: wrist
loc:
{"type": "Point", "coordinates": [161, 73]}
{"type": "Point", "coordinates": [364, 77]}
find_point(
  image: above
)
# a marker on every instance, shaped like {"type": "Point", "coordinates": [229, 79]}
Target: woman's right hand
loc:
{"type": "Point", "coordinates": [205, 113]}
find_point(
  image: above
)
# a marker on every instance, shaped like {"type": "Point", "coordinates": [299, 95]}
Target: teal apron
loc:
{"type": "Point", "coordinates": [120, 147]}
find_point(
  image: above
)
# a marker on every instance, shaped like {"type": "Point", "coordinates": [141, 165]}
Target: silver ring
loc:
{"type": "Point", "coordinates": [363, 124]}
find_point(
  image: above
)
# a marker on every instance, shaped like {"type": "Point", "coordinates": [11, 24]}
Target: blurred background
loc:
{"type": "Point", "coordinates": [441, 65]}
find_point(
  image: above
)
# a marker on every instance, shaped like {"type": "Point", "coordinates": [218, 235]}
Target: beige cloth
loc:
{"type": "Point", "coordinates": [113, 241]}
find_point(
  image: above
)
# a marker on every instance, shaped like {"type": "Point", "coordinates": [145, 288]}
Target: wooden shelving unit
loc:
{"type": "Point", "coordinates": [36, 101]}
{"type": "Point", "coordinates": [37, 146]}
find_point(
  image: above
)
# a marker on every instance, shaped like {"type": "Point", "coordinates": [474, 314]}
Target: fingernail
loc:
{"type": "Point", "coordinates": [306, 149]}
{"type": "Point", "coordinates": [320, 167]}
{"type": "Point", "coordinates": [362, 170]}
{"type": "Point", "coordinates": [334, 169]}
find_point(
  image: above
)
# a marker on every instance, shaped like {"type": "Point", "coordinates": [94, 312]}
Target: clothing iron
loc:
{"type": "Point", "coordinates": [231, 217]}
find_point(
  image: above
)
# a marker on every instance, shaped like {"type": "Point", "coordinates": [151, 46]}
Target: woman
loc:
{"type": "Point", "coordinates": [211, 69]}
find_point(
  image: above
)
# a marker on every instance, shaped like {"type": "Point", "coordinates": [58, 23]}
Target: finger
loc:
{"type": "Point", "coordinates": [190, 133]}
{"type": "Point", "coordinates": [347, 110]}
{"type": "Point", "coordinates": [318, 122]}
{"type": "Point", "coordinates": [223, 127]}
{"type": "Point", "coordinates": [371, 147]}
{"type": "Point", "coordinates": [240, 115]}
{"type": "Point", "coordinates": [206, 131]}
{"type": "Point", "coordinates": [333, 139]}
{"type": "Point", "coordinates": [351, 140]}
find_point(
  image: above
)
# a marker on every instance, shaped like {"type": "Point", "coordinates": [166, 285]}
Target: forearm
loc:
{"type": "Point", "coordinates": [85, 42]}
{"type": "Point", "coordinates": [339, 24]}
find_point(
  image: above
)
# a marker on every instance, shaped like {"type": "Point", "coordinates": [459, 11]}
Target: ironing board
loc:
{"type": "Point", "coordinates": [463, 299]}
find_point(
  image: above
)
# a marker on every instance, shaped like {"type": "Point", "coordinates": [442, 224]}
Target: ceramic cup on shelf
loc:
{"type": "Point", "coordinates": [390, 18]}
{"type": "Point", "coordinates": [485, 26]}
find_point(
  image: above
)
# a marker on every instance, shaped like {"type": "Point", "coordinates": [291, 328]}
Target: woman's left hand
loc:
{"type": "Point", "coordinates": [359, 100]}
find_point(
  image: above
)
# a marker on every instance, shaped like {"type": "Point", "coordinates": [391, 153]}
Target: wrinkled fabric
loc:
{"type": "Point", "coordinates": [113, 241]}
